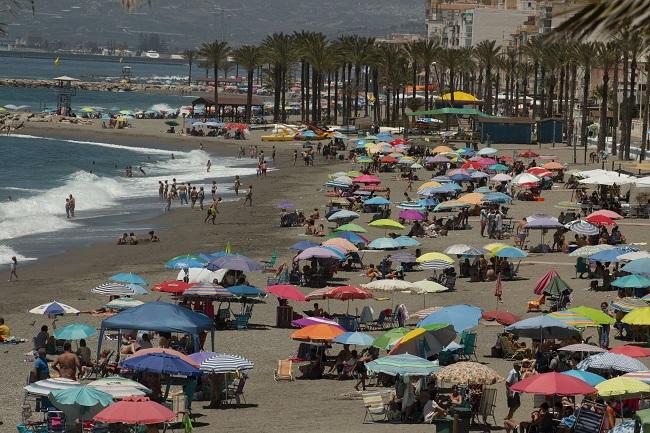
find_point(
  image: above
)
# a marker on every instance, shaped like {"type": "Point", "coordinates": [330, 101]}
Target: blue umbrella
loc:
{"type": "Point", "coordinates": [303, 245]}
{"type": "Point", "coordinates": [246, 291]}
{"type": "Point", "coordinates": [404, 365]}
{"type": "Point", "coordinates": [358, 338]}
{"type": "Point", "coordinates": [591, 378]}
{"type": "Point", "coordinates": [236, 262]}
{"type": "Point", "coordinates": [612, 255]}
{"type": "Point", "coordinates": [75, 331]}
{"type": "Point", "coordinates": [442, 189]}
{"type": "Point", "coordinates": [479, 175]}
{"type": "Point", "coordinates": [460, 316]}
{"type": "Point", "coordinates": [377, 201]}
{"type": "Point", "coordinates": [542, 327]}
{"type": "Point", "coordinates": [497, 197]}
{"type": "Point", "coordinates": [511, 253]}
{"type": "Point", "coordinates": [460, 177]}
{"type": "Point", "coordinates": [218, 254]}
{"type": "Point", "coordinates": [483, 189]}
{"type": "Point", "coordinates": [334, 250]}
{"type": "Point", "coordinates": [498, 167]}
{"type": "Point", "coordinates": [633, 281]}
{"type": "Point", "coordinates": [383, 244]}
{"type": "Point", "coordinates": [638, 266]}
{"type": "Point", "coordinates": [129, 278]}
{"type": "Point", "coordinates": [138, 289]}
{"type": "Point", "coordinates": [161, 363]}
{"type": "Point", "coordinates": [185, 262]}
{"type": "Point", "coordinates": [454, 186]}
{"type": "Point", "coordinates": [405, 242]}
{"type": "Point", "coordinates": [427, 202]}
{"type": "Point", "coordinates": [308, 133]}
{"type": "Point", "coordinates": [350, 236]}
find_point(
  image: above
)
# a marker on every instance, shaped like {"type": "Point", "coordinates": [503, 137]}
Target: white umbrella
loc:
{"type": "Point", "coordinates": [120, 387]}
{"type": "Point", "coordinates": [389, 285]}
{"type": "Point", "coordinates": [44, 387]}
{"type": "Point", "coordinates": [502, 177]}
{"type": "Point", "coordinates": [634, 255]}
{"type": "Point", "coordinates": [523, 178]}
{"type": "Point", "coordinates": [590, 249]}
{"type": "Point", "coordinates": [609, 178]}
{"type": "Point", "coordinates": [54, 308]}
{"type": "Point", "coordinates": [346, 180]}
{"type": "Point", "coordinates": [202, 275]}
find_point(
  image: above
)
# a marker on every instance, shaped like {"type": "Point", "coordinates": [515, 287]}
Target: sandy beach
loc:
{"type": "Point", "coordinates": [299, 406]}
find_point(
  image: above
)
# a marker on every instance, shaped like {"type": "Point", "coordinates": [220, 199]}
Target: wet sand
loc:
{"type": "Point", "coordinates": [323, 405]}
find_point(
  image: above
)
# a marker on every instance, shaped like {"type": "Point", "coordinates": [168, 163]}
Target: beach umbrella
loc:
{"type": "Point", "coordinates": [435, 257]}
{"type": "Point", "coordinates": [343, 215]}
{"type": "Point", "coordinates": [303, 245]}
{"type": "Point", "coordinates": [572, 318]}
{"type": "Point", "coordinates": [341, 243]}
{"type": "Point", "coordinates": [387, 339]}
{"type": "Point", "coordinates": [610, 255]}
{"type": "Point", "coordinates": [318, 253]}
{"type": "Point", "coordinates": [479, 175]}
{"type": "Point", "coordinates": [354, 238]}
{"type": "Point", "coordinates": [596, 315]}
{"type": "Point", "coordinates": [377, 201]}
{"type": "Point", "coordinates": [383, 244]}
{"type": "Point", "coordinates": [386, 223]}
{"type": "Point", "coordinates": [528, 154]}
{"type": "Point", "coordinates": [75, 331]}
{"type": "Point", "coordinates": [632, 281]}
{"type": "Point", "coordinates": [497, 197]}
{"type": "Point", "coordinates": [583, 228]}
{"type": "Point", "coordinates": [450, 204]}
{"type": "Point", "coordinates": [388, 285]}
{"type": "Point", "coordinates": [172, 286]}
{"type": "Point", "coordinates": [568, 205]}
{"type": "Point", "coordinates": [120, 387]}
{"type": "Point", "coordinates": [187, 261]}
{"type": "Point", "coordinates": [601, 220]}
{"type": "Point", "coordinates": [356, 338]}
{"type": "Point", "coordinates": [622, 387]}
{"type": "Point", "coordinates": [525, 178]}
{"type": "Point", "coordinates": [465, 250]}
{"type": "Point", "coordinates": [129, 278]}
{"type": "Point", "coordinates": [114, 289]}
{"type": "Point", "coordinates": [589, 250]}
{"type": "Point", "coordinates": [503, 317]}
{"type": "Point", "coordinates": [207, 290]}
{"type": "Point", "coordinates": [553, 384]}
{"type": "Point", "coordinates": [591, 378]}
{"type": "Point", "coordinates": [634, 255]}
{"type": "Point", "coordinates": [461, 316]}
{"type": "Point", "coordinates": [643, 376]}
{"type": "Point", "coordinates": [411, 215]}
{"type": "Point", "coordinates": [606, 213]}
{"type": "Point", "coordinates": [235, 262]}
{"type": "Point", "coordinates": [429, 184]}
{"type": "Point", "coordinates": [221, 363]}
{"type": "Point", "coordinates": [638, 317]}
{"type": "Point", "coordinates": [285, 204]}
{"type": "Point", "coordinates": [406, 241]}
{"type": "Point", "coordinates": [161, 363]}
{"type": "Point", "coordinates": [287, 291]}
{"type": "Point", "coordinates": [309, 321]}
{"type": "Point", "coordinates": [351, 227]}
{"type": "Point", "coordinates": [468, 373]}
{"type": "Point", "coordinates": [428, 286]}
{"type": "Point", "coordinates": [245, 291]}
{"type": "Point", "coordinates": [317, 333]}
{"type": "Point", "coordinates": [425, 340]}
{"type": "Point", "coordinates": [498, 167]}
{"type": "Point", "coordinates": [54, 308]}
{"type": "Point", "coordinates": [487, 151]}
{"type": "Point", "coordinates": [553, 165]}
{"type": "Point", "coordinates": [416, 166]}
{"type": "Point", "coordinates": [614, 361]}
{"type": "Point", "coordinates": [628, 304]}
{"type": "Point", "coordinates": [556, 286]}
{"type": "Point", "coordinates": [639, 266]}
{"type": "Point", "coordinates": [80, 402]}
{"type": "Point", "coordinates": [403, 364]}
{"type": "Point", "coordinates": [581, 347]}
{"type": "Point", "coordinates": [367, 178]}
{"type": "Point", "coordinates": [511, 253]}
{"type": "Point", "coordinates": [501, 177]}
{"type": "Point", "coordinates": [135, 411]}
{"type": "Point", "coordinates": [402, 257]}
{"type": "Point", "coordinates": [631, 351]}
{"type": "Point", "coordinates": [45, 386]}
{"type": "Point", "coordinates": [166, 351]}
{"type": "Point", "coordinates": [120, 304]}
{"type": "Point", "coordinates": [542, 327]}
{"type": "Point", "coordinates": [347, 293]}
{"type": "Point", "coordinates": [474, 198]}
{"type": "Point", "coordinates": [427, 202]}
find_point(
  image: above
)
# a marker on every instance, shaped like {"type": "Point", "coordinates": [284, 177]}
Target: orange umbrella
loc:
{"type": "Point", "coordinates": [317, 333]}
{"type": "Point", "coordinates": [553, 166]}
{"type": "Point", "coordinates": [341, 243]}
{"type": "Point", "coordinates": [172, 352]}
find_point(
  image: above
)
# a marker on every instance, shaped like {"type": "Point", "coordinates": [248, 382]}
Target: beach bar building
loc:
{"type": "Point", "coordinates": [228, 107]}
{"type": "Point", "coordinates": [507, 130]}
{"type": "Point", "coordinates": [550, 130]}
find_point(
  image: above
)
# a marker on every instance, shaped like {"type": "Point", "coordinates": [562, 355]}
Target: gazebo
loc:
{"type": "Point", "coordinates": [226, 101]}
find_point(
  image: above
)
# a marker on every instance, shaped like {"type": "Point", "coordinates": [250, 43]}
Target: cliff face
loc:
{"type": "Point", "coordinates": [189, 22]}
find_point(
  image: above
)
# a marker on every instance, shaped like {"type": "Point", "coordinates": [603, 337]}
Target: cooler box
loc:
{"type": "Point", "coordinates": [284, 315]}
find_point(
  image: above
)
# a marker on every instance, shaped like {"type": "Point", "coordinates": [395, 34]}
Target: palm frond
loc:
{"type": "Point", "coordinates": [599, 17]}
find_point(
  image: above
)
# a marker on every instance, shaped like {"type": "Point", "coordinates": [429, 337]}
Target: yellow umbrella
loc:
{"type": "Point", "coordinates": [622, 387]}
{"type": "Point", "coordinates": [460, 96]}
{"type": "Point", "coordinates": [429, 184]}
{"type": "Point", "coordinates": [430, 257]}
{"type": "Point", "coordinates": [386, 223]}
{"type": "Point", "coordinates": [638, 316]}
{"type": "Point", "coordinates": [472, 198]}
{"type": "Point", "coordinates": [354, 173]}
{"type": "Point", "coordinates": [495, 247]}
{"type": "Point", "coordinates": [442, 149]}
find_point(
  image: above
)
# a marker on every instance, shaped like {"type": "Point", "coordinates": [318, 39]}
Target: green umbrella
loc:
{"type": "Point", "coordinates": [568, 205]}
{"type": "Point", "coordinates": [80, 402]}
{"type": "Point", "coordinates": [632, 281]}
{"type": "Point", "coordinates": [596, 315]}
{"type": "Point", "coordinates": [386, 339]}
{"type": "Point", "coordinates": [556, 287]}
{"type": "Point", "coordinates": [171, 123]}
{"type": "Point", "coordinates": [351, 227]}
{"type": "Point", "coordinates": [75, 331]}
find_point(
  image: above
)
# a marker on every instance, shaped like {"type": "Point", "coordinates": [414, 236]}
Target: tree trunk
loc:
{"type": "Point", "coordinates": [315, 94]}
{"type": "Point", "coordinates": [189, 75]}
{"type": "Point", "coordinates": [524, 106]}
{"type": "Point", "coordinates": [303, 108]}
{"type": "Point", "coordinates": [329, 97]}
{"type": "Point", "coordinates": [307, 92]}
{"type": "Point", "coordinates": [615, 107]}
{"type": "Point", "coordinates": [584, 111]}
{"type": "Point", "coordinates": [497, 82]}
{"type": "Point", "coordinates": [388, 113]}
{"type": "Point", "coordinates": [343, 95]}
{"type": "Point", "coordinates": [283, 86]}
{"type": "Point", "coordinates": [516, 107]}
{"type": "Point", "coordinates": [487, 92]}
{"type": "Point", "coordinates": [357, 80]}
{"type": "Point", "coordinates": [249, 95]}
{"type": "Point", "coordinates": [427, 78]}
{"type": "Point", "coordinates": [602, 131]}
{"type": "Point", "coordinates": [572, 104]}
{"type": "Point", "coordinates": [542, 79]}
{"type": "Point", "coordinates": [535, 88]}
{"type": "Point", "coordinates": [624, 105]}
{"type": "Point", "coordinates": [560, 93]}
{"type": "Point", "coordinates": [366, 89]}
{"type": "Point", "coordinates": [277, 84]}
{"type": "Point", "coordinates": [644, 129]}
{"type": "Point", "coordinates": [415, 80]}
{"type": "Point", "coordinates": [336, 96]}
{"type": "Point", "coordinates": [551, 91]}
{"type": "Point", "coordinates": [631, 105]}
{"type": "Point", "coordinates": [375, 94]}
{"type": "Point", "coordinates": [216, 90]}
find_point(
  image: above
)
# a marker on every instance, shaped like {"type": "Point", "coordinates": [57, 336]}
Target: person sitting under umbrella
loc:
{"type": "Point", "coordinates": [67, 364]}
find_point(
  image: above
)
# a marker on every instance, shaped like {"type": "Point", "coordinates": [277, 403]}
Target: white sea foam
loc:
{"type": "Point", "coordinates": [144, 150]}
{"type": "Point", "coordinates": [6, 253]}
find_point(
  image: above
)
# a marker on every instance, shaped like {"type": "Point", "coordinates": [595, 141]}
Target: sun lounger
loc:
{"type": "Point", "coordinates": [376, 406]}
{"type": "Point", "coordinates": [509, 351]}
{"type": "Point", "coordinates": [536, 305]}
{"type": "Point", "coordinates": [284, 370]}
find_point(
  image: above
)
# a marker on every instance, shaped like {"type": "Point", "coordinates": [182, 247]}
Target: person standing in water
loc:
{"type": "Point", "coordinates": [161, 190]}
{"type": "Point", "coordinates": [72, 205]}
{"type": "Point", "coordinates": [13, 265]}
{"type": "Point", "coordinates": [201, 146]}
{"type": "Point", "coordinates": [237, 185]}
{"type": "Point", "coordinates": [208, 165]}
{"type": "Point", "coordinates": [67, 207]}
{"type": "Point", "coordinates": [214, 190]}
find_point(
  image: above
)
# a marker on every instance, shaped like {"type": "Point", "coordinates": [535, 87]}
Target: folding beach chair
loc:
{"type": "Point", "coordinates": [536, 305]}
{"type": "Point", "coordinates": [235, 392]}
{"type": "Point", "coordinates": [375, 406]}
{"type": "Point", "coordinates": [469, 347]}
{"type": "Point", "coordinates": [284, 370]}
{"type": "Point", "coordinates": [270, 264]}
{"type": "Point", "coordinates": [487, 404]}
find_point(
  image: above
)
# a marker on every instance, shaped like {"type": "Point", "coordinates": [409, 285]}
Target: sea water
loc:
{"type": "Point", "coordinates": [38, 173]}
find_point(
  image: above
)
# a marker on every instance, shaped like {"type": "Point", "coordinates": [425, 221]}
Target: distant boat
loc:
{"type": "Point", "coordinates": [152, 54]}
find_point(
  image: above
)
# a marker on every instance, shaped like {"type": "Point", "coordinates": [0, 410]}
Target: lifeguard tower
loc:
{"type": "Point", "coordinates": [126, 74]}
{"type": "Point", "coordinates": [65, 90]}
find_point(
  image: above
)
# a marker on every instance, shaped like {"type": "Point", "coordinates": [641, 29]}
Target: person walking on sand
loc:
{"type": "Point", "coordinates": [295, 156]}
{"type": "Point", "coordinates": [12, 267]}
{"type": "Point", "coordinates": [273, 154]}
{"type": "Point", "coordinates": [214, 211]}
{"type": "Point", "coordinates": [208, 214]}
{"type": "Point", "coordinates": [161, 190]}
{"type": "Point", "coordinates": [249, 196]}
{"type": "Point", "coordinates": [201, 197]}
{"type": "Point", "coordinates": [170, 196]}
{"type": "Point", "coordinates": [208, 165]}
{"type": "Point", "coordinates": [237, 185]}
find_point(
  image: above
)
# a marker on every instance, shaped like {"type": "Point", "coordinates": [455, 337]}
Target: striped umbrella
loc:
{"type": "Point", "coordinates": [614, 361]}
{"type": "Point", "coordinates": [436, 264]}
{"type": "Point", "coordinates": [583, 228]}
{"type": "Point", "coordinates": [643, 376]}
{"type": "Point", "coordinates": [628, 304]}
{"type": "Point", "coordinates": [114, 289]}
{"type": "Point", "coordinates": [54, 308]}
{"type": "Point", "coordinates": [572, 318]}
{"type": "Point", "coordinates": [44, 387]}
{"type": "Point", "coordinates": [222, 363]}
{"type": "Point", "coordinates": [120, 387]}
{"type": "Point", "coordinates": [317, 294]}
{"type": "Point", "coordinates": [207, 290]}
{"type": "Point", "coordinates": [120, 304]}
{"type": "Point", "coordinates": [419, 315]}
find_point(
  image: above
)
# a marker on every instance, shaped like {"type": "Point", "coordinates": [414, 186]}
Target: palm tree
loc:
{"type": "Point", "coordinates": [280, 52]}
{"type": "Point", "coordinates": [428, 54]}
{"type": "Point", "coordinates": [190, 56]}
{"type": "Point", "coordinates": [391, 65]}
{"type": "Point", "coordinates": [645, 108]}
{"type": "Point", "coordinates": [249, 57]}
{"type": "Point", "coordinates": [486, 54]}
{"type": "Point", "coordinates": [216, 54]}
{"type": "Point", "coordinates": [585, 58]}
{"type": "Point", "coordinates": [609, 16]}
{"type": "Point", "coordinates": [533, 49]}
{"type": "Point", "coordinates": [606, 54]}
{"type": "Point", "coordinates": [413, 52]}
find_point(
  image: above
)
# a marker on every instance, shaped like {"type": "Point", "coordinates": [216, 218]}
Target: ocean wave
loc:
{"type": "Point", "coordinates": [144, 150]}
{"type": "Point", "coordinates": [6, 253]}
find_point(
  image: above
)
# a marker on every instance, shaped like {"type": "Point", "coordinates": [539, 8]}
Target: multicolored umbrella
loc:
{"type": "Point", "coordinates": [308, 321]}
{"type": "Point", "coordinates": [643, 376]}
{"type": "Point", "coordinates": [572, 318]}
{"type": "Point", "coordinates": [135, 411]}
{"type": "Point", "coordinates": [607, 360]}
{"type": "Point", "coordinates": [206, 290]}
{"type": "Point", "coordinates": [596, 315]}
{"type": "Point", "coordinates": [341, 243]}
{"type": "Point", "coordinates": [628, 304]}
{"type": "Point", "coordinates": [468, 373]}
{"type": "Point", "coordinates": [553, 384]}
{"type": "Point", "coordinates": [590, 250]}
{"type": "Point", "coordinates": [403, 364]}
{"type": "Point", "coordinates": [388, 338]}
{"type": "Point", "coordinates": [54, 309]}
{"type": "Point", "coordinates": [424, 341]}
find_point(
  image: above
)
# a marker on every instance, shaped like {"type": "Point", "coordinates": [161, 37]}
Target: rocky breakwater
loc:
{"type": "Point", "coordinates": [13, 121]}
{"type": "Point", "coordinates": [98, 86]}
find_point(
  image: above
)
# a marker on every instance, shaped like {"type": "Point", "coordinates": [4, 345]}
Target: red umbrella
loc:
{"type": "Point", "coordinates": [173, 286]}
{"type": "Point", "coordinates": [506, 158]}
{"type": "Point", "coordinates": [346, 293]}
{"type": "Point", "coordinates": [543, 282]}
{"type": "Point", "coordinates": [389, 160]}
{"type": "Point", "coordinates": [606, 213]}
{"type": "Point", "coordinates": [287, 291]}
{"type": "Point", "coordinates": [472, 164]}
{"type": "Point", "coordinates": [371, 188]}
{"type": "Point", "coordinates": [540, 172]}
{"type": "Point", "coordinates": [631, 351]}
{"type": "Point", "coordinates": [528, 154]}
{"type": "Point", "coordinates": [600, 220]}
{"type": "Point", "coordinates": [367, 178]}
{"type": "Point", "coordinates": [553, 384]}
{"type": "Point", "coordinates": [502, 317]}
{"type": "Point", "coordinates": [398, 141]}
{"type": "Point", "coordinates": [135, 411]}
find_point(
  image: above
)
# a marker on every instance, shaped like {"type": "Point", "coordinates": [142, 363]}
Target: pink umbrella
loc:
{"type": "Point", "coordinates": [544, 281]}
{"type": "Point", "coordinates": [308, 321]}
{"type": "Point", "coordinates": [606, 213]}
{"type": "Point", "coordinates": [411, 215]}
{"type": "Point", "coordinates": [318, 253]}
{"type": "Point", "coordinates": [486, 161]}
{"type": "Point", "coordinates": [287, 291]}
{"type": "Point", "coordinates": [458, 171]}
{"type": "Point", "coordinates": [366, 178]}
